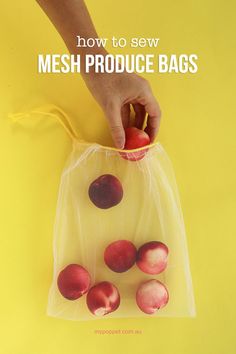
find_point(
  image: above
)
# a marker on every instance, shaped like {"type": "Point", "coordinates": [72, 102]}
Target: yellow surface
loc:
{"type": "Point", "coordinates": [198, 132]}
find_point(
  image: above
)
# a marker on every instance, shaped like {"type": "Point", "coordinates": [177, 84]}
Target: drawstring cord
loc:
{"type": "Point", "coordinates": [64, 120]}
{"type": "Point", "coordinates": [47, 110]}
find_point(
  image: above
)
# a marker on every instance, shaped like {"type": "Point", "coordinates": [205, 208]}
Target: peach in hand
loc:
{"type": "Point", "coordinates": [135, 138]}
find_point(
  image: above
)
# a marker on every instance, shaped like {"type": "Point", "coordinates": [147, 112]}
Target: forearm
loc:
{"type": "Point", "coordinates": [71, 19]}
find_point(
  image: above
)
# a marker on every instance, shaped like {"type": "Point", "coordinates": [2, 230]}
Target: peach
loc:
{"type": "Point", "coordinates": [152, 257]}
{"type": "Point", "coordinates": [151, 296]}
{"type": "Point", "coordinates": [103, 298]}
{"type": "Point", "coordinates": [120, 255]}
{"type": "Point", "coordinates": [135, 138]}
{"type": "Point", "coordinates": [73, 281]}
{"type": "Point", "coordinates": [106, 191]}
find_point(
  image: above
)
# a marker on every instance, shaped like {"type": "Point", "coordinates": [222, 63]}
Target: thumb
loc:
{"type": "Point", "coordinates": [116, 127]}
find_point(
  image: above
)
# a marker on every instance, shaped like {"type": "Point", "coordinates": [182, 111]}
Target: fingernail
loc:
{"type": "Point", "coordinates": [120, 145]}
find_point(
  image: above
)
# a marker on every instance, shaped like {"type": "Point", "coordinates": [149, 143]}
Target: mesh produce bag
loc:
{"type": "Point", "coordinates": [141, 206]}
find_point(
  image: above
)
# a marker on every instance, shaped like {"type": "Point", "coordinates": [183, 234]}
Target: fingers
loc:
{"type": "Point", "coordinates": [139, 115]}
{"type": "Point", "coordinates": [125, 114]}
{"type": "Point", "coordinates": [113, 113]}
{"type": "Point", "coordinates": [154, 117]}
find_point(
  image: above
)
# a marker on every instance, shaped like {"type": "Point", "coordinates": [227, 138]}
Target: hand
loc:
{"type": "Point", "coordinates": [115, 93]}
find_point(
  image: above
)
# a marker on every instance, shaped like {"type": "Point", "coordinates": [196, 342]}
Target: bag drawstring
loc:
{"type": "Point", "coordinates": [64, 120]}
{"type": "Point", "coordinates": [47, 110]}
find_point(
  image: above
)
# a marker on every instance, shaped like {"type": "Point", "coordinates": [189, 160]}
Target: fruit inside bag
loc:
{"type": "Point", "coordinates": [119, 238]}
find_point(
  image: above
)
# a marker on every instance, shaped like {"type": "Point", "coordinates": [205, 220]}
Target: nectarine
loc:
{"type": "Point", "coordinates": [135, 138]}
{"type": "Point", "coordinates": [106, 191]}
{"type": "Point", "coordinates": [151, 296]}
{"type": "Point", "coordinates": [120, 255]}
{"type": "Point", "coordinates": [103, 298]}
{"type": "Point", "coordinates": [152, 257]}
{"type": "Point", "coordinates": [73, 281]}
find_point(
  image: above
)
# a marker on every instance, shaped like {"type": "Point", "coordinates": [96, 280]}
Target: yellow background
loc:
{"type": "Point", "coordinates": [198, 132]}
